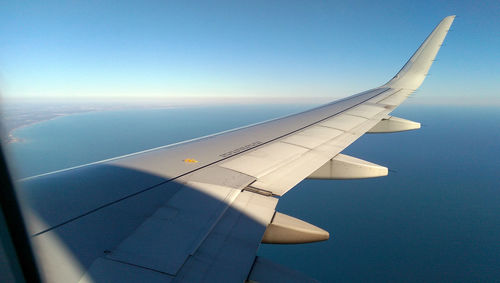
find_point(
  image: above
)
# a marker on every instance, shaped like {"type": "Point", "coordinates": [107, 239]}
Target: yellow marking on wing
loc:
{"type": "Point", "coordinates": [190, 160]}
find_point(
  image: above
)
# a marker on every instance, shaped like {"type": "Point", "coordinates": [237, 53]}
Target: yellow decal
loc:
{"type": "Point", "coordinates": [190, 160]}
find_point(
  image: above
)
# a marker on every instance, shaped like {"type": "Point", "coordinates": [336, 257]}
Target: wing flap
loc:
{"type": "Point", "coordinates": [186, 213]}
{"type": "Point", "coordinates": [106, 270]}
{"type": "Point", "coordinates": [265, 271]}
{"type": "Point", "coordinates": [282, 179]}
{"type": "Point", "coordinates": [228, 252]}
{"type": "Point", "coordinates": [165, 240]}
{"type": "Point", "coordinates": [264, 159]}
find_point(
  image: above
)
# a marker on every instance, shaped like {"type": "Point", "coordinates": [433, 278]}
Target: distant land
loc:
{"type": "Point", "coordinates": [24, 112]}
{"type": "Point", "coordinates": [17, 115]}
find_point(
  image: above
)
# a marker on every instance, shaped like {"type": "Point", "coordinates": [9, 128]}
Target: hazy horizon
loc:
{"type": "Point", "coordinates": [167, 50]}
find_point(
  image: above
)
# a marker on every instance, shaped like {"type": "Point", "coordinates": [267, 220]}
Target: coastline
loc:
{"type": "Point", "coordinates": [10, 136]}
{"type": "Point", "coordinates": [20, 116]}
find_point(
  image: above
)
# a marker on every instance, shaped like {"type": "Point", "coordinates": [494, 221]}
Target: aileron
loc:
{"type": "Point", "coordinates": [266, 158]}
{"type": "Point", "coordinates": [313, 136]}
{"type": "Point", "coordinates": [344, 122]}
{"type": "Point", "coordinates": [365, 111]}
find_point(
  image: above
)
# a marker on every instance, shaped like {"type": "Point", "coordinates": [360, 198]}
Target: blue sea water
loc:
{"type": "Point", "coordinates": [88, 137]}
{"type": "Point", "coordinates": [435, 218]}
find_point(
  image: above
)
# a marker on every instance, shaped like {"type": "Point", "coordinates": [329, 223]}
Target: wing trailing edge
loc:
{"type": "Point", "coordinates": [155, 217]}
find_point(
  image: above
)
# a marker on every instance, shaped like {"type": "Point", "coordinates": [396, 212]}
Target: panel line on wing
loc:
{"type": "Point", "coordinates": [228, 201]}
{"type": "Point", "coordinates": [287, 176]}
{"type": "Point", "coordinates": [377, 92]}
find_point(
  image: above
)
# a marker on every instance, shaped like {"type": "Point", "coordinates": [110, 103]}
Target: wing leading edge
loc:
{"type": "Point", "coordinates": [197, 211]}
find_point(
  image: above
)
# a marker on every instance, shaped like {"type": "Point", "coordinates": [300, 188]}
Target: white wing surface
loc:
{"type": "Point", "coordinates": [197, 211]}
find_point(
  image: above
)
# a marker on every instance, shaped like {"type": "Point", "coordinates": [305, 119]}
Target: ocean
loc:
{"type": "Point", "coordinates": [435, 218]}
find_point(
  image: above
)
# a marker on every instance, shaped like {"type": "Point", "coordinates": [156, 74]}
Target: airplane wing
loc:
{"type": "Point", "coordinates": [197, 211]}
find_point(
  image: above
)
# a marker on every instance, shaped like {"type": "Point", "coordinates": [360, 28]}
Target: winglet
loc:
{"type": "Point", "coordinates": [415, 70]}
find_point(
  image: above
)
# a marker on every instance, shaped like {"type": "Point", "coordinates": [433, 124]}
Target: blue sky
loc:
{"type": "Point", "coordinates": [167, 49]}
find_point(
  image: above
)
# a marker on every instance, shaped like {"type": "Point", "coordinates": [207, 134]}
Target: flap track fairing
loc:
{"type": "Point", "coordinates": [343, 167]}
{"type": "Point", "coordinates": [285, 229]}
{"type": "Point", "coordinates": [394, 124]}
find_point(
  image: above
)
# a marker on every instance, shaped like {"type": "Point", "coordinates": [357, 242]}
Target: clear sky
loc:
{"type": "Point", "coordinates": [167, 49]}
